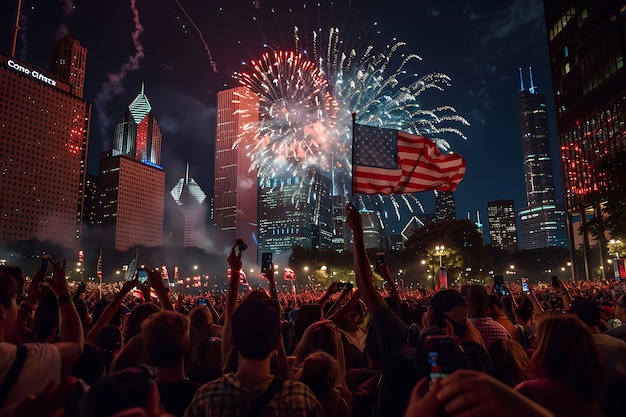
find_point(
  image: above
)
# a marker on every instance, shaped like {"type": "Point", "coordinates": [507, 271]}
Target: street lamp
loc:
{"type": "Point", "coordinates": [439, 250]}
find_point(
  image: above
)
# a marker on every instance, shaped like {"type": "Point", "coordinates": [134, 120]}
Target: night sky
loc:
{"type": "Point", "coordinates": [185, 57]}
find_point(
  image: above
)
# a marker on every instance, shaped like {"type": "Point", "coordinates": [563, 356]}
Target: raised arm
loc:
{"type": "Point", "coordinates": [364, 279]}
{"type": "Point", "coordinates": [110, 310]}
{"type": "Point", "coordinates": [26, 307]}
{"type": "Point", "coordinates": [156, 282]}
{"type": "Point", "coordinates": [70, 327]}
{"type": "Point", "coordinates": [232, 294]}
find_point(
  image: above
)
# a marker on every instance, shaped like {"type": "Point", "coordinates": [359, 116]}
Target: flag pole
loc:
{"type": "Point", "coordinates": [100, 271]}
{"type": "Point", "coordinates": [352, 161]}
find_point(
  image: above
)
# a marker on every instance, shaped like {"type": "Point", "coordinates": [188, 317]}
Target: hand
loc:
{"type": "Point", "coordinates": [333, 288]}
{"type": "Point", "coordinates": [34, 291]}
{"type": "Point", "coordinates": [476, 394]}
{"type": "Point", "coordinates": [423, 401]}
{"type": "Point", "coordinates": [353, 217]}
{"type": "Point", "coordinates": [155, 280]}
{"type": "Point", "coordinates": [234, 260]}
{"type": "Point", "coordinates": [129, 285]}
{"type": "Point", "coordinates": [81, 288]}
{"type": "Point", "coordinates": [58, 284]}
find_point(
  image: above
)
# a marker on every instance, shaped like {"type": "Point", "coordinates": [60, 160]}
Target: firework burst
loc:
{"type": "Point", "coordinates": [307, 96]}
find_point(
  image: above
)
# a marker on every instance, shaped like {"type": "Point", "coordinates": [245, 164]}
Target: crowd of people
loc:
{"type": "Point", "coordinates": [131, 349]}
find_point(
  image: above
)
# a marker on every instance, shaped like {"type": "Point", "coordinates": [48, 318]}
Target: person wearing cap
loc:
{"type": "Point", "coordinates": [620, 314]}
{"type": "Point", "coordinates": [255, 334]}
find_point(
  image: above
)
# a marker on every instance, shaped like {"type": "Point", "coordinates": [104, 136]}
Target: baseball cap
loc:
{"type": "Point", "coordinates": [587, 310]}
{"type": "Point", "coordinates": [451, 304]}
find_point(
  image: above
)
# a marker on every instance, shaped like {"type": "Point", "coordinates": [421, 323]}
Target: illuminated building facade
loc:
{"type": "Point", "coordinates": [235, 200]}
{"type": "Point", "coordinates": [542, 221]}
{"type": "Point", "coordinates": [69, 60]}
{"type": "Point", "coordinates": [502, 224]}
{"type": "Point", "coordinates": [295, 211]}
{"type": "Point", "coordinates": [44, 132]}
{"type": "Point", "coordinates": [587, 49]}
{"type": "Point", "coordinates": [445, 209]}
{"type": "Point", "coordinates": [137, 134]}
{"type": "Point", "coordinates": [130, 201]}
{"type": "Point", "coordinates": [190, 199]}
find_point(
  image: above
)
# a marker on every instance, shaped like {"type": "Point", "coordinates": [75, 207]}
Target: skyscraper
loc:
{"type": "Point", "coordinates": [542, 221]}
{"type": "Point", "coordinates": [295, 211]}
{"type": "Point", "coordinates": [69, 60]}
{"type": "Point", "coordinates": [44, 131]}
{"type": "Point", "coordinates": [445, 208]}
{"type": "Point", "coordinates": [236, 187]}
{"type": "Point", "coordinates": [587, 50]}
{"type": "Point", "coordinates": [131, 183]}
{"type": "Point", "coordinates": [130, 201]}
{"type": "Point", "coordinates": [502, 224]}
{"type": "Point", "coordinates": [190, 199]}
{"type": "Point", "coordinates": [137, 134]}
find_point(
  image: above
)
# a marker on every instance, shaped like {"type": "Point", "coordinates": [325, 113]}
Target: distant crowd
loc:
{"type": "Point", "coordinates": [140, 349]}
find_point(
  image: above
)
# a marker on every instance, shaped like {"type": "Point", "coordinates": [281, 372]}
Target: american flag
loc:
{"type": "Point", "coordinates": [81, 256]}
{"type": "Point", "coordinates": [99, 268]}
{"type": "Point", "coordinates": [387, 161]}
{"type": "Point", "coordinates": [289, 274]}
{"type": "Point", "coordinates": [164, 273]}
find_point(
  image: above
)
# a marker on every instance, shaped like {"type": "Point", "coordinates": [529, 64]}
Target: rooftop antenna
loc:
{"type": "Point", "coordinates": [16, 29]}
{"type": "Point", "coordinates": [521, 79]}
{"type": "Point", "coordinates": [187, 174]}
{"type": "Point", "coordinates": [532, 86]}
{"type": "Point", "coordinates": [142, 88]}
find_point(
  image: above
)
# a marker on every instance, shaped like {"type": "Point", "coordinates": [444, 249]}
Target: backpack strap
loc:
{"type": "Point", "coordinates": [14, 372]}
{"type": "Point", "coordinates": [260, 403]}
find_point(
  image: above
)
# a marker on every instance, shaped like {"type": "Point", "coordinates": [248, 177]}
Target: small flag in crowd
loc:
{"type": "Point", "coordinates": [289, 274]}
{"type": "Point", "coordinates": [387, 161]}
{"type": "Point", "coordinates": [81, 256]}
{"type": "Point", "coordinates": [176, 273]}
{"type": "Point", "coordinates": [99, 268]}
{"type": "Point", "coordinates": [164, 273]}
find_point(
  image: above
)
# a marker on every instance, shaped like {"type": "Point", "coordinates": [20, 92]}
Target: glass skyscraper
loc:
{"type": "Point", "coordinates": [542, 221]}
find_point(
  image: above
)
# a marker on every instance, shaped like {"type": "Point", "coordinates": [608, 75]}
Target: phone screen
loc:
{"type": "Point", "coordinates": [380, 262]}
{"type": "Point", "coordinates": [441, 355]}
{"type": "Point", "coordinates": [266, 262]}
{"type": "Point", "coordinates": [525, 286]}
{"type": "Point", "coordinates": [142, 276]}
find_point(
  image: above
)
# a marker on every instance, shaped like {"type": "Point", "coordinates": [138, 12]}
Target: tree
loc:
{"type": "Point", "coordinates": [464, 252]}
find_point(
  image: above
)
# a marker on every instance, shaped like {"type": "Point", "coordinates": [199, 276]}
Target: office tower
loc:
{"type": "Point", "coordinates": [295, 211]}
{"type": "Point", "coordinates": [587, 50]}
{"type": "Point", "coordinates": [502, 230]}
{"type": "Point", "coordinates": [130, 201]}
{"type": "Point", "coordinates": [444, 206]}
{"type": "Point", "coordinates": [341, 237]}
{"type": "Point", "coordinates": [190, 199]}
{"type": "Point", "coordinates": [69, 60]}
{"type": "Point", "coordinates": [137, 134]}
{"type": "Point", "coordinates": [89, 200]}
{"type": "Point", "coordinates": [236, 187]}
{"type": "Point", "coordinates": [373, 230]}
{"type": "Point", "coordinates": [44, 131]}
{"type": "Point", "coordinates": [542, 221]}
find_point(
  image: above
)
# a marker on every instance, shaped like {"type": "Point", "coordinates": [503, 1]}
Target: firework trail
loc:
{"type": "Point", "coordinates": [114, 86]}
{"type": "Point", "coordinates": [206, 47]}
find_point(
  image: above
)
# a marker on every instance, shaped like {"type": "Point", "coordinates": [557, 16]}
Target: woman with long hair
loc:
{"type": "Point", "coordinates": [570, 372]}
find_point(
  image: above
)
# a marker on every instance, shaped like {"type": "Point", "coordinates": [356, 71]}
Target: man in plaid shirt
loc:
{"type": "Point", "coordinates": [255, 335]}
{"type": "Point", "coordinates": [477, 300]}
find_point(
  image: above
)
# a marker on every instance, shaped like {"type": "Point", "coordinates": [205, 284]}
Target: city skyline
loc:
{"type": "Point", "coordinates": [481, 85]}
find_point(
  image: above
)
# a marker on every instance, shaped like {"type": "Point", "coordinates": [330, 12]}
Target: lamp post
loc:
{"type": "Point", "coordinates": [439, 250]}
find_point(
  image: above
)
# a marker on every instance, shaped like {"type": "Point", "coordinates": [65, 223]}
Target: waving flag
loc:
{"type": "Point", "coordinates": [99, 267]}
{"type": "Point", "coordinates": [387, 161]}
{"type": "Point", "coordinates": [289, 274]}
{"type": "Point", "coordinates": [81, 256]}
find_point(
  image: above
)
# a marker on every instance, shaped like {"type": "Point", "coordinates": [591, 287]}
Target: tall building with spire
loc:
{"type": "Point", "coordinates": [44, 132]}
{"type": "Point", "coordinates": [137, 134]}
{"type": "Point", "coordinates": [131, 183]}
{"type": "Point", "coordinates": [542, 221]}
{"type": "Point", "coordinates": [190, 199]}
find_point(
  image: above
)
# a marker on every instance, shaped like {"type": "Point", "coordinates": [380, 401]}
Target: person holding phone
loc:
{"type": "Point", "coordinates": [43, 363]}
